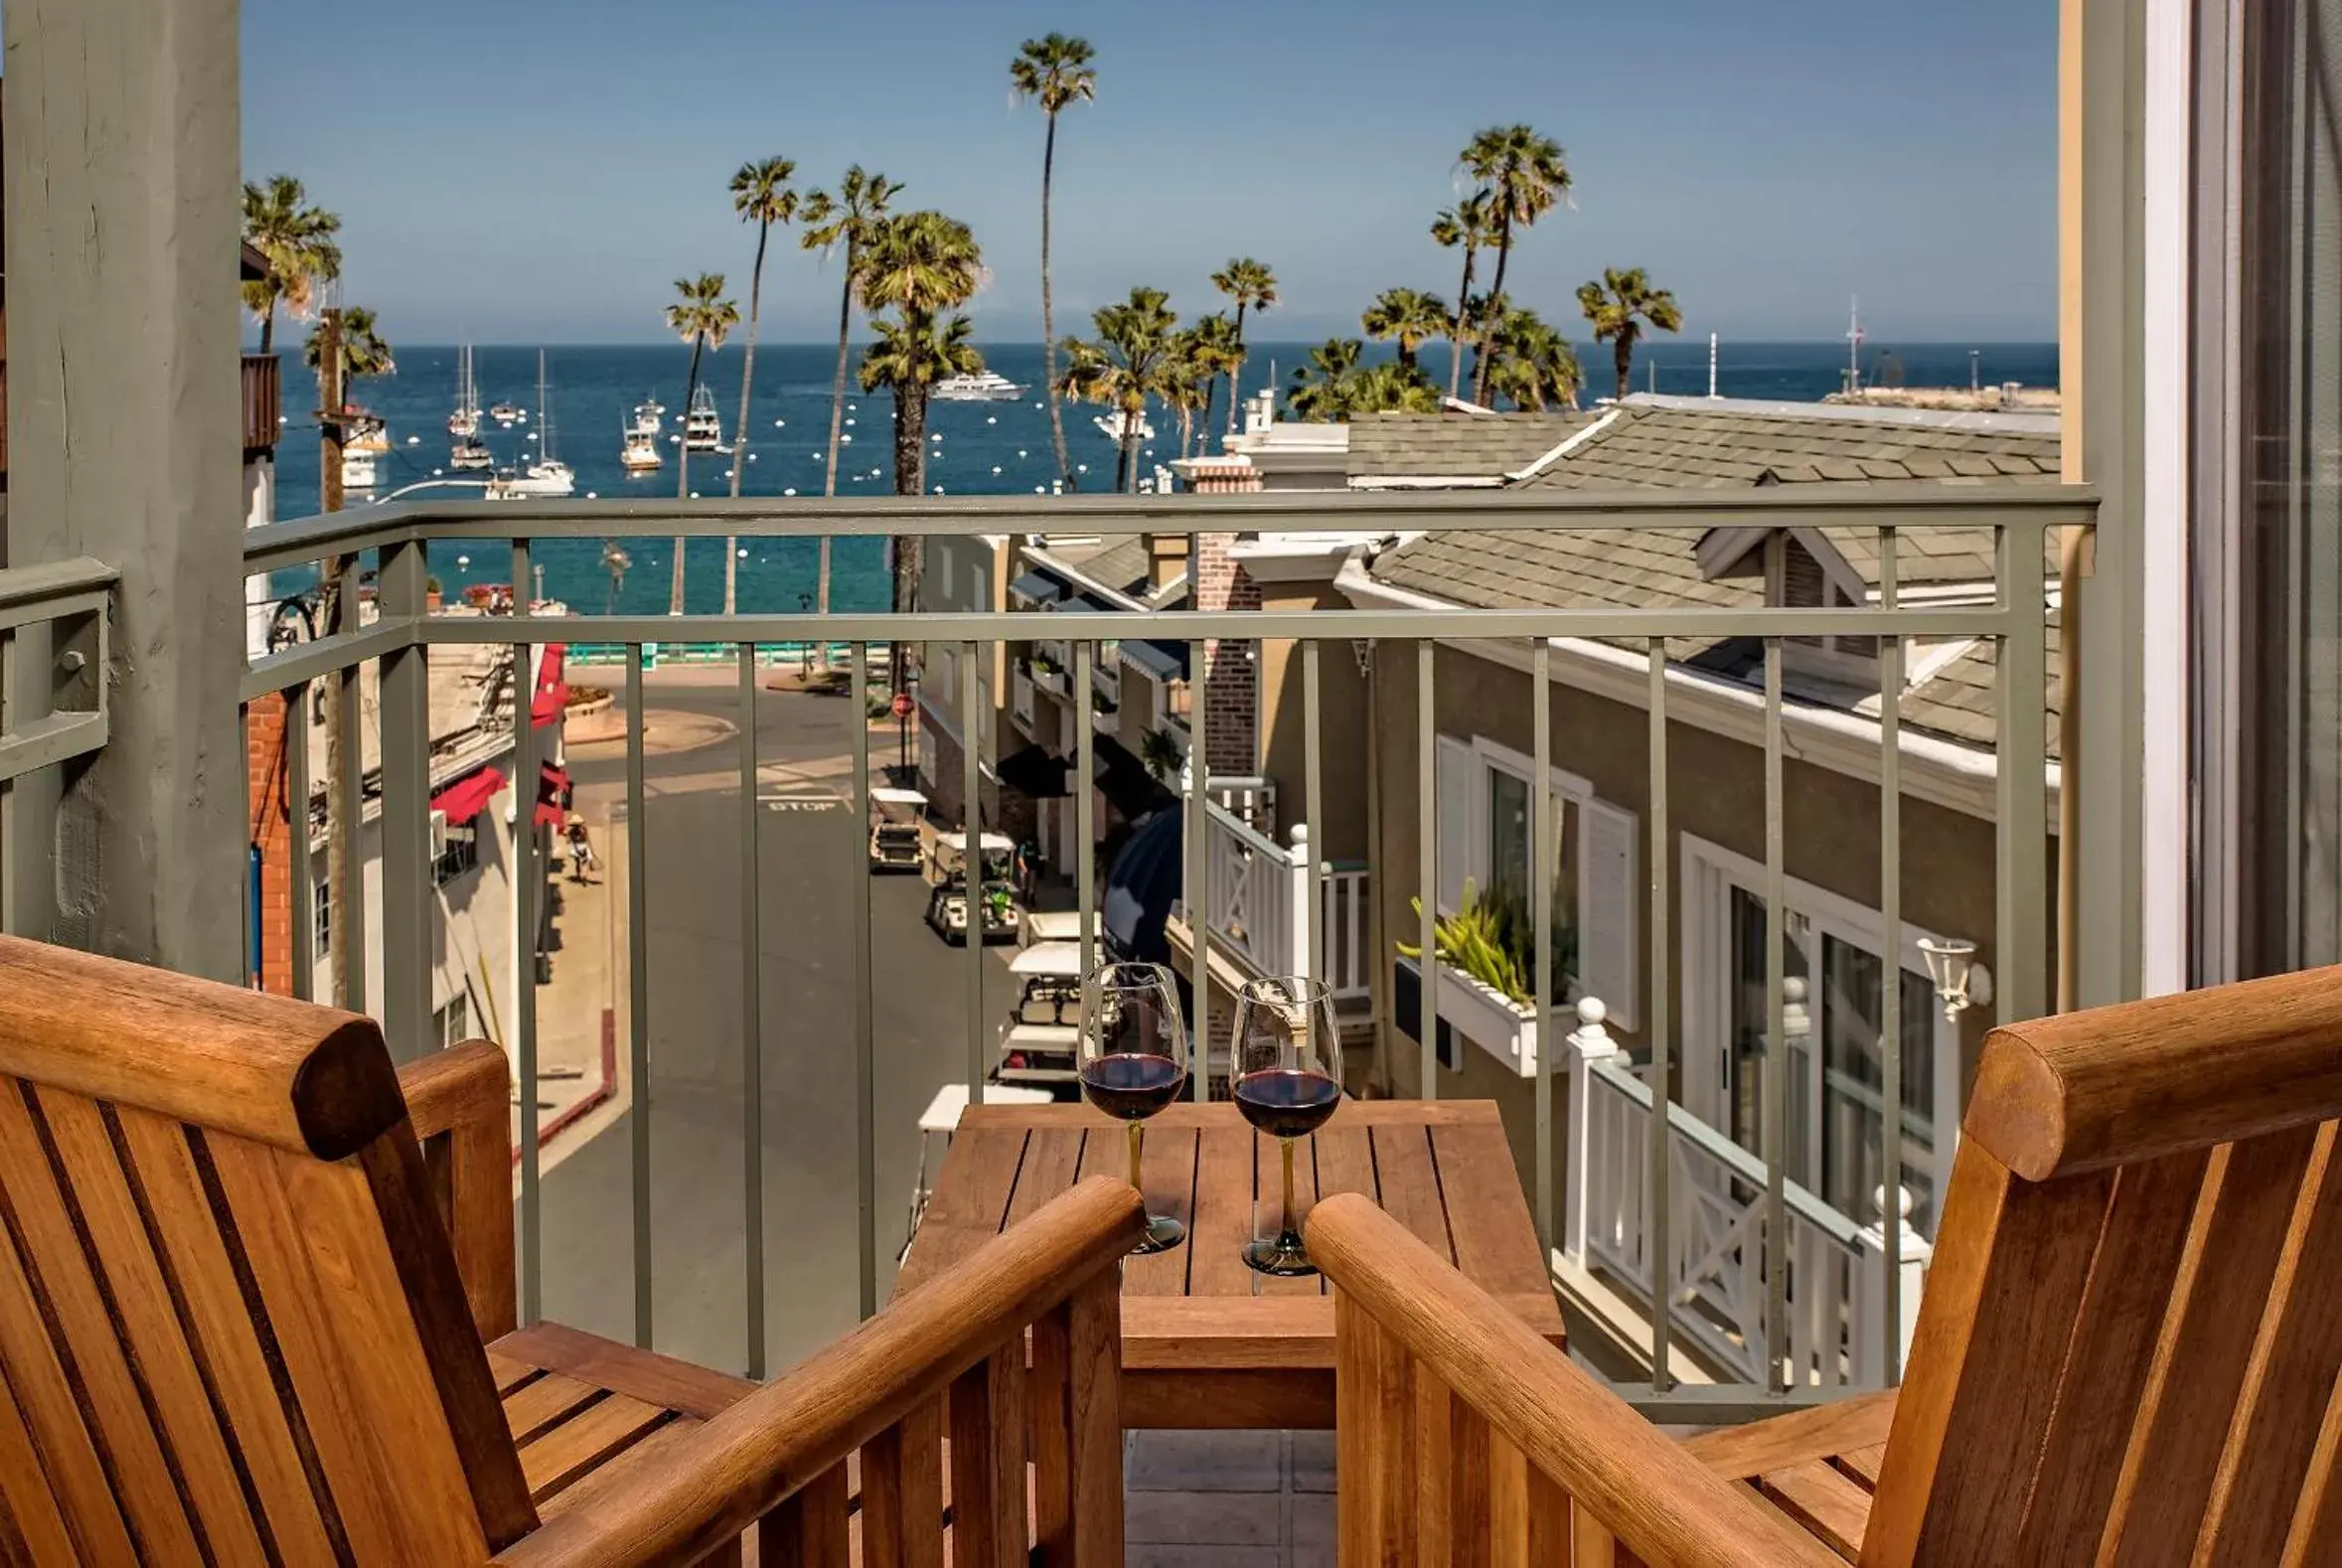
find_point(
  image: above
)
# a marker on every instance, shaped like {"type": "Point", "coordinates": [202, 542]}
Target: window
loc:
{"type": "Point", "coordinates": [460, 856]}
{"type": "Point", "coordinates": [321, 916]}
{"type": "Point", "coordinates": [452, 1023]}
{"type": "Point", "coordinates": [1833, 991]}
{"type": "Point", "coordinates": [1484, 810]}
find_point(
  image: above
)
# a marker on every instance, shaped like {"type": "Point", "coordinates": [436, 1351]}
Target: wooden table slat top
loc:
{"type": "Point", "coordinates": [1196, 1311]}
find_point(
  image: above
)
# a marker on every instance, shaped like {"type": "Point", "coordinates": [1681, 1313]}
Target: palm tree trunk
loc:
{"type": "Point", "coordinates": [732, 546]}
{"type": "Point", "coordinates": [836, 414]}
{"type": "Point", "coordinates": [1625, 355]}
{"type": "Point", "coordinates": [683, 472]}
{"type": "Point", "coordinates": [1048, 310]}
{"type": "Point", "coordinates": [1236, 372]}
{"type": "Point", "coordinates": [1187, 432]}
{"type": "Point", "coordinates": [1481, 365]}
{"type": "Point", "coordinates": [1210, 386]}
{"type": "Point", "coordinates": [268, 327]}
{"type": "Point", "coordinates": [1463, 316]}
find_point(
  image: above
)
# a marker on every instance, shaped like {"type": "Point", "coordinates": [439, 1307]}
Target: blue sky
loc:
{"type": "Point", "coordinates": [525, 172]}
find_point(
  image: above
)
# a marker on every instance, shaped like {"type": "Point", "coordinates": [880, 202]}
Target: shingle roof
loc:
{"type": "Point", "coordinates": [1454, 445]}
{"type": "Point", "coordinates": [1680, 447]}
{"type": "Point", "coordinates": [1675, 447]}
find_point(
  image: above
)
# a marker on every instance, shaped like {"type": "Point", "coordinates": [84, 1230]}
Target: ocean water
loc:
{"type": "Point", "coordinates": [986, 448]}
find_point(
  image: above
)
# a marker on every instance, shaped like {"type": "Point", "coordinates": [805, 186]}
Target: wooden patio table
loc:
{"type": "Point", "coordinates": [1207, 1341]}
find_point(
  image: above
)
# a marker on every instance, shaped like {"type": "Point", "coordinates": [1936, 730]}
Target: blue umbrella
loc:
{"type": "Point", "coordinates": [1141, 886]}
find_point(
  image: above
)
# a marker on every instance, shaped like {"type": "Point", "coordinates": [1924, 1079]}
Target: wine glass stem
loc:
{"type": "Point", "coordinates": [1289, 1228]}
{"type": "Point", "coordinates": [1138, 1136]}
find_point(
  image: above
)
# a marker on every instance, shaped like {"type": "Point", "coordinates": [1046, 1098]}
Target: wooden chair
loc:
{"type": "Point", "coordinates": [246, 1318]}
{"type": "Point", "coordinates": [2127, 1352]}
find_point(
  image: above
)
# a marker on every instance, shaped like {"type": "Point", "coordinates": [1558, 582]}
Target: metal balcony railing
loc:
{"type": "Point", "coordinates": [397, 543]}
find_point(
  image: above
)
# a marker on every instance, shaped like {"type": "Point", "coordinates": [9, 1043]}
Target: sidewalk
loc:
{"type": "Point", "coordinates": [580, 1013]}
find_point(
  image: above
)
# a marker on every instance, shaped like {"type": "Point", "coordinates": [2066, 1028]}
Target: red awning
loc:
{"type": "Point", "coordinates": [552, 689]}
{"type": "Point", "coordinates": [553, 795]}
{"type": "Point", "coordinates": [464, 799]}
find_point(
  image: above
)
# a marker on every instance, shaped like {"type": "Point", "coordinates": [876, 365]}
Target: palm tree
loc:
{"type": "Point", "coordinates": [761, 195]}
{"type": "Point", "coordinates": [1129, 362]}
{"type": "Point", "coordinates": [1189, 373]}
{"type": "Point", "coordinates": [1531, 363]}
{"type": "Point", "coordinates": [1525, 175]}
{"type": "Point", "coordinates": [1408, 315]}
{"type": "Point", "coordinates": [1467, 223]}
{"type": "Point", "coordinates": [1056, 71]}
{"type": "Point", "coordinates": [843, 219]}
{"type": "Point", "coordinates": [1390, 388]}
{"type": "Point", "coordinates": [363, 352]}
{"type": "Point", "coordinates": [920, 266]}
{"type": "Point", "coordinates": [702, 318]}
{"type": "Point", "coordinates": [1618, 307]}
{"type": "Point", "coordinates": [1321, 387]}
{"type": "Point", "coordinates": [297, 241]}
{"type": "Point", "coordinates": [1213, 344]}
{"type": "Point", "coordinates": [1248, 283]}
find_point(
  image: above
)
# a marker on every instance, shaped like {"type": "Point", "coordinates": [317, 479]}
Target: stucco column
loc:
{"type": "Point", "coordinates": [125, 444]}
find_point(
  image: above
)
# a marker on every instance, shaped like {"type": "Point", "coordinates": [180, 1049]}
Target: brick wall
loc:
{"type": "Point", "coordinates": [1231, 674]}
{"type": "Point", "coordinates": [271, 829]}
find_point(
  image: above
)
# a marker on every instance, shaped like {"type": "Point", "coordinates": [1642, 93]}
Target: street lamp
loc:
{"type": "Point", "coordinates": [1959, 980]}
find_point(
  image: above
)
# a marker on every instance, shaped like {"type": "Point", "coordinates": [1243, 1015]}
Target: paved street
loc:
{"type": "Point", "coordinates": [811, 850]}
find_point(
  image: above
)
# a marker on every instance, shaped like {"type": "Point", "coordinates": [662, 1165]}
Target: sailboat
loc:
{"type": "Point", "coordinates": [465, 422]}
{"type": "Point", "coordinates": [549, 475]}
{"type": "Point", "coordinates": [703, 426]}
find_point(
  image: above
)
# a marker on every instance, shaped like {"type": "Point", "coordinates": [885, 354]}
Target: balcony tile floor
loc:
{"type": "Point", "coordinates": [1242, 1500]}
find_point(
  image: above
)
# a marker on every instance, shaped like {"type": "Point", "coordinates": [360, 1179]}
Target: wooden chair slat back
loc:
{"type": "Point", "coordinates": [2128, 1348]}
{"type": "Point", "coordinates": [230, 1324]}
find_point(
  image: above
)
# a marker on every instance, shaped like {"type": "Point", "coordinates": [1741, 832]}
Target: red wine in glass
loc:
{"type": "Point", "coordinates": [1129, 1087]}
{"type": "Point", "coordinates": [1287, 1102]}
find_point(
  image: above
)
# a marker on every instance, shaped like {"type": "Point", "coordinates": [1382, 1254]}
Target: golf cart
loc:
{"type": "Point", "coordinates": [947, 905]}
{"type": "Point", "coordinates": [894, 829]}
{"type": "Point", "coordinates": [1058, 925]}
{"type": "Point", "coordinates": [940, 1120]}
{"type": "Point", "coordinates": [1039, 1043]}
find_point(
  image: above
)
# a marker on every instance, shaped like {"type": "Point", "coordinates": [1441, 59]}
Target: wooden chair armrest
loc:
{"type": "Point", "coordinates": [459, 1102]}
{"type": "Point", "coordinates": [1658, 1501]}
{"type": "Point", "coordinates": [711, 1485]}
{"type": "Point", "coordinates": [1825, 1432]}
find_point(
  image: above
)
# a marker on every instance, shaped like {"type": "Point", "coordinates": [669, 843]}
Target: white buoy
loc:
{"type": "Point", "coordinates": [590, 496]}
{"type": "Point", "coordinates": [842, 440]}
{"type": "Point", "coordinates": [936, 437]}
{"type": "Point", "coordinates": [1038, 491]}
{"type": "Point", "coordinates": [743, 552]}
{"type": "Point", "coordinates": [1081, 468]}
{"type": "Point", "coordinates": [694, 494]}
{"type": "Point", "coordinates": [851, 406]}
{"type": "Point", "coordinates": [849, 422]}
{"type": "Point", "coordinates": [751, 458]}
{"type": "Point", "coordinates": [792, 490]}
{"type": "Point", "coordinates": [995, 468]}
{"type": "Point", "coordinates": [939, 490]}
{"type": "Point", "coordinates": [989, 420]}
{"type": "Point", "coordinates": [1021, 451]}
{"type": "Point", "coordinates": [463, 560]}
{"type": "Point", "coordinates": [414, 440]}
{"type": "Point", "coordinates": [438, 472]}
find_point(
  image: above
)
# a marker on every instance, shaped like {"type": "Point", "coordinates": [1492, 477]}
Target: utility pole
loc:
{"type": "Point", "coordinates": [342, 892]}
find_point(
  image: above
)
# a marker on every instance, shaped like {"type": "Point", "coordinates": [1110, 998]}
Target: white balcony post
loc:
{"type": "Point", "coordinates": [1585, 1046]}
{"type": "Point", "coordinates": [1305, 914]}
{"type": "Point", "coordinates": [124, 404]}
{"type": "Point", "coordinates": [1912, 1252]}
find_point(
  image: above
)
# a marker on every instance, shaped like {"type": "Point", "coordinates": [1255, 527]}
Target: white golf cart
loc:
{"type": "Point", "coordinates": [938, 1122]}
{"type": "Point", "coordinates": [896, 815]}
{"type": "Point", "coordinates": [1059, 925]}
{"type": "Point", "coordinates": [947, 905]}
{"type": "Point", "coordinates": [1041, 1040]}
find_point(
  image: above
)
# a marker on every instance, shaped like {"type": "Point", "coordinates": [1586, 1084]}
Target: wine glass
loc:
{"type": "Point", "coordinates": [1134, 1060]}
{"type": "Point", "coordinates": [1288, 1080]}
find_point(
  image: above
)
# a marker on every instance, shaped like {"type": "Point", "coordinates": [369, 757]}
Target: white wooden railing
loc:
{"type": "Point", "coordinates": [1716, 1232]}
{"type": "Point", "coordinates": [1260, 910]}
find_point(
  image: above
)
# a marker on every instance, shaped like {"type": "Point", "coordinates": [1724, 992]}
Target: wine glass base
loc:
{"type": "Point", "coordinates": [1284, 1257]}
{"type": "Point", "coordinates": [1162, 1234]}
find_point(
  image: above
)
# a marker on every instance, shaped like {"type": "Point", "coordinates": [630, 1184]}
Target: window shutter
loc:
{"type": "Point", "coordinates": [1457, 777]}
{"type": "Point", "coordinates": [1608, 936]}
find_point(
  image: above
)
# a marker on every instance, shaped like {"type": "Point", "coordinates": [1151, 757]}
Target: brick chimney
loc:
{"type": "Point", "coordinates": [1231, 668]}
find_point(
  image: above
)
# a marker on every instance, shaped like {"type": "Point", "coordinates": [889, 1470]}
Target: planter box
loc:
{"type": "Point", "coordinates": [1469, 1010]}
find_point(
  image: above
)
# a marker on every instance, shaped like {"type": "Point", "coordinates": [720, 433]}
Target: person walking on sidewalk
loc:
{"type": "Point", "coordinates": [581, 856]}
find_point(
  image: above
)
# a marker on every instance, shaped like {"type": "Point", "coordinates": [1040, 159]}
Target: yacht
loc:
{"type": "Point", "coordinates": [464, 423]}
{"type": "Point", "coordinates": [358, 469]}
{"type": "Point", "coordinates": [549, 475]}
{"type": "Point", "coordinates": [1116, 426]}
{"type": "Point", "coordinates": [703, 426]}
{"type": "Point", "coordinates": [646, 418]}
{"type": "Point", "coordinates": [639, 454]}
{"type": "Point", "coordinates": [987, 386]}
{"type": "Point", "coordinates": [470, 452]}
{"type": "Point", "coordinates": [505, 412]}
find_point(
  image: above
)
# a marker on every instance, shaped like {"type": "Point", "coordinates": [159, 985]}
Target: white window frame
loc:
{"type": "Point", "coordinates": [1709, 872]}
{"type": "Point", "coordinates": [1493, 756]}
